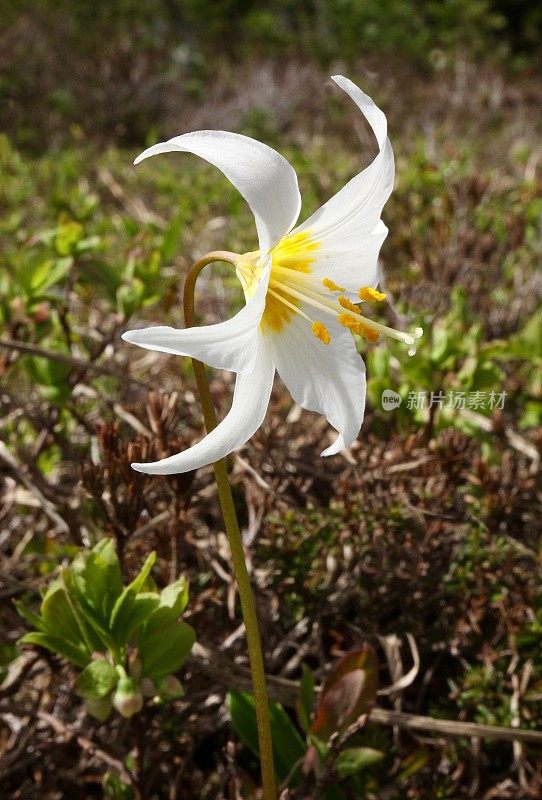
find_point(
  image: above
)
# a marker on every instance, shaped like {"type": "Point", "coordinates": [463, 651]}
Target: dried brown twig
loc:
{"type": "Point", "coordinates": [64, 358]}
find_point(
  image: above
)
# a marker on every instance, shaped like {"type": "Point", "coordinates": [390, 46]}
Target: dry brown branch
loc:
{"type": "Point", "coordinates": [64, 358]}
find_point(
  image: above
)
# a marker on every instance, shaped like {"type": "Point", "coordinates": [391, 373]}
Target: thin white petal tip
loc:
{"type": "Point", "coordinates": [131, 337]}
{"type": "Point", "coordinates": [152, 468]}
{"type": "Point", "coordinates": [331, 451]}
{"type": "Point", "coordinates": [338, 445]}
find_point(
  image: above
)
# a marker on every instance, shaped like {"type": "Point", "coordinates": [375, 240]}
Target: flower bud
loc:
{"type": "Point", "coordinates": [127, 699]}
{"type": "Point", "coordinates": [99, 708]}
{"type": "Point", "coordinates": [170, 688]}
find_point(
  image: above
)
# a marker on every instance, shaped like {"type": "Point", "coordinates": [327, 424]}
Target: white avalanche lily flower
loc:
{"type": "Point", "coordinates": [302, 290]}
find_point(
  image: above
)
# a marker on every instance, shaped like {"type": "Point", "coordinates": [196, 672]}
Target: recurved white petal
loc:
{"type": "Point", "coordinates": [250, 401]}
{"type": "Point", "coordinates": [231, 345]}
{"type": "Point", "coordinates": [351, 261]}
{"type": "Point", "coordinates": [329, 379]}
{"type": "Point", "coordinates": [348, 227]}
{"type": "Point", "coordinates": [265, 179]}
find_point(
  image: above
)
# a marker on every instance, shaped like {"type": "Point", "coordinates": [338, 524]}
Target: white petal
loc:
{"type": "Point", "coordinates": [250, 401]}
{"type": "Point", "coordinates": [265, 179]}
{"type": "Point", "coordinates": [329, 379]}
{"type": "Point", "coordinates": [374, 115]}
{"type": "Point", "coordinates": [231, 345]}
{"type": "Point", "coordinates": [348, 226]}
{"type": "Point", "coordinates": [351, 264]}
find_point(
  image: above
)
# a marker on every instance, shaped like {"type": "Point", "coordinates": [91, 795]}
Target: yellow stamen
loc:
{"type": "Point", "coordinates": [358, 327]}
{"type": "Point", "coordinates": [346, 303]}
{"type": "Point", "coordinates": [332, 286]}
{"type": "Point", "coordinates": [366, 293]}
{"type": "Point", "coordinates": [292, 284]}
{"type": "Point", "coordinates": [321, 332]}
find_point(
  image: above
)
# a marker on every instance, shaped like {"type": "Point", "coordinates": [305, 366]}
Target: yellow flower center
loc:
{"type": "Point", "coordinates": [292, 284]}
{"type": "Point", "coordinates": [294, 253]}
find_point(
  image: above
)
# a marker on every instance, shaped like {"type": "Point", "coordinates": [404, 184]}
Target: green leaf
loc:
{"type": "Point", "coordinates": [97, 680]}
{"type": "Point", "coordinates": [68, 236]}
{"type": "Point", "coordinates": [47, 273]}
{"type": "Point", "coordinates": [95, 634]}
{"type": "Point", "coordinates": [97, 576]}
{"type": "Point", "coordinates": [171, 238]}
{"type": "Point", "coordinates": [58, 615]}
{"type": "Point", "coordinates": [130, 297]}
{"type": "Point", "coordinates": [121, 625]}
{"type": "Point", "coordinates": [355, 759]}
{"type": "Point", "coordinates": [164, 643]}
{"type": "Point", "coordinates": [46, 371]}
{"type": "Point", "coordinates": [288, 746]}
{"type": "Point", "coordinates": [58, 622]}
{"type": "Point", "coordinates": [173, 601]}
{"type": "Point", "coordinates": [77, 655]}
{"type": "Point", "coordinates": [145, 603]}
{"type": "Point", "coordinates": [30, 616]}
{"type": "Point", "coordinates": [305, 703]}
{"type": "Point", "coordinates": [164, 649]}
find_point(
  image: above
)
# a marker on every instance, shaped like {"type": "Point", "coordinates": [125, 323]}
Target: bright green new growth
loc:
{"type": "Point", "coordinates": [128, 640]}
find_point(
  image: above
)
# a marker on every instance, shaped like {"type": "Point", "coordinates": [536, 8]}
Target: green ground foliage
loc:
{"type": "Point", "coordinates": [430, 525]}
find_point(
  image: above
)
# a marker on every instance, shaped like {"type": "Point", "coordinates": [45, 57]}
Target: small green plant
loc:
{"type": "Point", "coordinates": [318, 758]}
{"type": "Point", "coordinates": [127, 640]}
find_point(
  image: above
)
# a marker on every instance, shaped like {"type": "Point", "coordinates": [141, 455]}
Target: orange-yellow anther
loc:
{"type": "Point", "coordinates": [321, 332]}
{"type": "Point", "coordinates": [366, 293]}
{"type": "Point", "coordinates": [332, 286]}
{"type": "Point", "coordinates": [358, 327]}
{"type": "Point", "coordinates": [346, 303]}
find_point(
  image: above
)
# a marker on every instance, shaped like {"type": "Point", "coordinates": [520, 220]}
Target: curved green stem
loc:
{"type": "Point", "coordinates": [236, 544]}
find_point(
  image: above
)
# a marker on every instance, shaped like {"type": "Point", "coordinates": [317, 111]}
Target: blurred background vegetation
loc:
{"type": "Point", "coordinates": [71, 62]}
{"type": "Point", "coordinates": [430, 526]}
